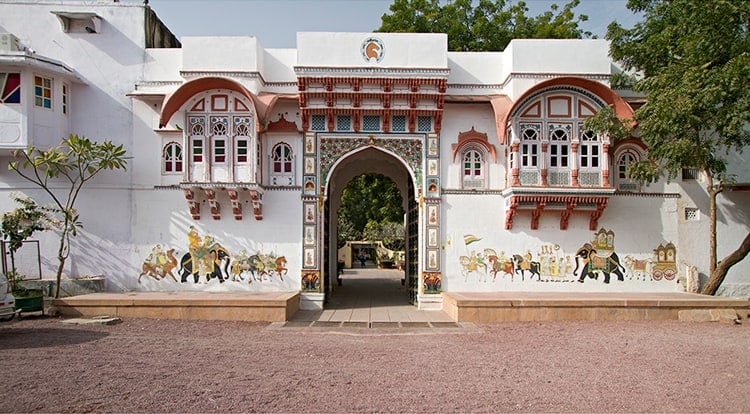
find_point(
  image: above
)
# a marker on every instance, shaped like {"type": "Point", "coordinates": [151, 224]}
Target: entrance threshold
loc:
{"type": "Point", "coordinates": [370, 297]}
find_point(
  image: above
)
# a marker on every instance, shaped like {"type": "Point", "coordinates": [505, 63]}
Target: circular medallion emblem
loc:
{"type": "Point", "coordinates": [373, 50]}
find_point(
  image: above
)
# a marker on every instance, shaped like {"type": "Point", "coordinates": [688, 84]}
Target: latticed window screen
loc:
{"type": "Point", "coordinates": [590, 178]}
{"type": "Point", "coordinates": [692, 214]}
{"type": "Point", "coordinates": [424, 123]}
{"type": "Point", "coordinates": [529, 177]}
{"type": "Point", "coordinates": [398, 123]}
{"type": "Point", "coordinates": [559, 177]}
{"type": "Point", "coordinates": [318, 123]}
{"type": "Point", "coordinates": [370, 123]}
{"type": "Point", "coordinates": [343, 123]}
{"type": "Point", "coordinates": [172, 157]}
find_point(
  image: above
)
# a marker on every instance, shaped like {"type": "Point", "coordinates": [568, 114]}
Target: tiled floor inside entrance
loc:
{"type": "Point", "coordinates": [371, 298]}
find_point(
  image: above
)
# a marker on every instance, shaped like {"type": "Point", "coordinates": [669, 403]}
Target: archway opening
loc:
{"type": "Point", "coordinates": [369, 193]}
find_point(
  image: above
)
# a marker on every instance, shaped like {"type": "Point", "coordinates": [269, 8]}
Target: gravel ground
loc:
{"type": "Point", "coordinates": [150, 366]}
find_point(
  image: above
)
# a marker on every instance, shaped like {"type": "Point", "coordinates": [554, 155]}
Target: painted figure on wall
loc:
{"type": "Point", "coordinates": [599, 257]}
{"type": "Point", "coordinates": [159, 264]}
{"type": "Point", "coordinates": [499, 264]}
{"type": "Point", "coordinates": [205, 257]}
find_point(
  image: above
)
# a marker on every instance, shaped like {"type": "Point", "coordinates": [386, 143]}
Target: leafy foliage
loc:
{"type": "Point", "coordinates": [75, 161]}
{"type": "Point", "coordinates": [485, 25]}
{"type": "Point", "coordinates": [371, 206]}
{"type": "Point", "coordinates": [695, 61]}
{"type": "Point", "coordinates": [694, 58]}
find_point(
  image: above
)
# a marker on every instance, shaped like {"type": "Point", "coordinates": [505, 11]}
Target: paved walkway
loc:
{"type": "Point", "coordinates": [371, 296]}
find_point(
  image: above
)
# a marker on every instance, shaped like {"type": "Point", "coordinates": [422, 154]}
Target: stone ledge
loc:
{"type": "Point", "coordinates": [709, 315]}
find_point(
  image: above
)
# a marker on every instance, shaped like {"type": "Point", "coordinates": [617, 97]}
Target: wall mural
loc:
{"type": "Point", "coordinates": [206, 259]}
{"type": "Point", "coordinates": [594, 260]}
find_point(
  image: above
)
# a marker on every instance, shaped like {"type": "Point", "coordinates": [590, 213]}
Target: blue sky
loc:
{"type": "Point", "coordinates": [276, 22]}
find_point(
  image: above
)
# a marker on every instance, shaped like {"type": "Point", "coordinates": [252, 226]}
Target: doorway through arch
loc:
{"type": "Point", "coordinates": [371, 160]}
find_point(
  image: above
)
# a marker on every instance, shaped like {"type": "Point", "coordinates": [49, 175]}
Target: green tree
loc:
{"type": "Point", "coordinates": [694, 62]}
{"type": "Point", "coordinates": [75, 161]}
{"type": "Point", "coordinates": [369, 199]}
{"type": "Point", "coordinates": [486, 25]}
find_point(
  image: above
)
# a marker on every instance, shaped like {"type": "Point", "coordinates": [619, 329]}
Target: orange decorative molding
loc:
{"type": "Point", "coordinates": [282, 125]}
{"type": "Point", "coordinates": [473, 137]}
{"type": "Point", "coordinates": [178, 98]}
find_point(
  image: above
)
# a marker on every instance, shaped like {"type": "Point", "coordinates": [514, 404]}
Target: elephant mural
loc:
{"type": "Point", "coordinates": [206, 260]}
{"type": "Point", "coordinates": [594, 263]}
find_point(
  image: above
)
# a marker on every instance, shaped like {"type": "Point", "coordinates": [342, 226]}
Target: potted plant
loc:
{"type": "Point", "coordinates": [17, 226]}
{"type": "Point", "coordinates": [27, 300]}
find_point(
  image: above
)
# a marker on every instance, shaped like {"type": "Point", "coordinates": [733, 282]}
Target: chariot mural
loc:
{"type": "Point", "coordinates": [595, 261]}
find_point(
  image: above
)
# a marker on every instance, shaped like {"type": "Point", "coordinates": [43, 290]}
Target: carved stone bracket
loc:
{"type": "Point", "coordinates": [213, 194]}
{"type": "Point", "coordinates": [193, 205]}
{"type": "Point", "coordinates": [215, 208]}
{"type": "Point", "coordinates": [256, 197]}
{"type": "Point", "coordinates": [234, 197]}
{"type": "Point", "coordinates": [545, 204]}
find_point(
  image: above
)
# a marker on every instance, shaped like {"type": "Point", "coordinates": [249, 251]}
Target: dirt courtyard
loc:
{"type": "Point", "coordinates": [151, 366]}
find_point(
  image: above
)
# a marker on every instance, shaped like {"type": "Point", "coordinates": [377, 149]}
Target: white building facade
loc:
{"type": "Point", "coordinates": [240, 155]}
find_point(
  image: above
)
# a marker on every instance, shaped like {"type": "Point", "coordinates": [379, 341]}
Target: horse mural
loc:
{"type": "Point", "coordinates": [524, 264]}
{"type": "Point", "coordinates": [499, 264]}
{"type": "Point", "coordinates": [472, 264]}
{"type": "Point", "coordinates": [159, 264]}
{"type": "Point", "coordinates": [258, 267]}
{"type": "Point", "coordinates": [594, 263]}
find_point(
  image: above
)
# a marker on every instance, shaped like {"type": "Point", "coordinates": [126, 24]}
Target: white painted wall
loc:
{"type": "Point", "coordinates": [402, 50]}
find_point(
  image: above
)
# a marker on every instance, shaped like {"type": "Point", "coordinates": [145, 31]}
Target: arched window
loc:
{"type": "Point", "coordinates": [473, 171]}
{"type": "Point", "coordinates": [559, 155]}
{"type": "Point", "coordinates": [553, 149]}
{"type": "Point", "coordinates": [625, 158]}
{"type": "Point", "coordinates": [172, 158]}
{"type": "Point", "coordinates": [282, 165]}
{"type": "Point", "coordinates": [220, 138]}
{"type": "Point", "coordinates": [530, 136]}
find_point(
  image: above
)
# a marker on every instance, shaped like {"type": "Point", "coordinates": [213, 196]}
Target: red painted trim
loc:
{"type": "Point", "coordinates": [178, 98]}
{"type": "Point", "coordinates": [472, 136]}
{"type": "Point", "coordinates": [605, 93]}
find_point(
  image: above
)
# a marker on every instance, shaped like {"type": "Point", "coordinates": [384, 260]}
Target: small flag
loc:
{"type": "Point", "coordinates": [470, 238]}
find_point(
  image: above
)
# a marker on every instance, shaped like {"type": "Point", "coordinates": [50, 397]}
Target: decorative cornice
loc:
{"type": "Point", "coordinates": [321, 71]}
{"type": "Point", "coordinates": [468, 191]}
{"type": "Point", "coordinates": [647, 195]}
{"type": "Point", "coordinates": [248, 75]}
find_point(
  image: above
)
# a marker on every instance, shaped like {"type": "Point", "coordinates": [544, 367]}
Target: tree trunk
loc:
{"type": "Point", "coordinates": [720, 272]}
{"type": "Point", "coordinates": [712, 193]}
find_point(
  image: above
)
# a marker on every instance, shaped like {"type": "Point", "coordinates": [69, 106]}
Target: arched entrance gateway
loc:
{"type": "Point", "coordinates": [342, 157]}
{"type": "Point", "coordinates": [360, 115]}
{"type": "Point", "coordinates": [371, 159]}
